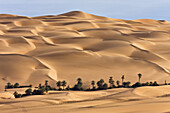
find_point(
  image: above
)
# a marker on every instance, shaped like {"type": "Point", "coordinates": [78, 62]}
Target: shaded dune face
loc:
{"type": "Point", "coordinates": [77, 44]}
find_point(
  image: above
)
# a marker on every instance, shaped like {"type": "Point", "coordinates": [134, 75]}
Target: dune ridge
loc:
{"type": "Point", "coordinates": [77, 44]}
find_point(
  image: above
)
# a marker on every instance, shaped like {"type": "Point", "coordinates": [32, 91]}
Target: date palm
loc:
{"type": "Point", "coordinates": [139, 76]}
{"type": "Point", "coordinates": [64, 83]}
{"type": "Point", "coordinates": [59, 84]}
{"type": "Point", "coordinates": [93, 84]}
{"type": "Point", "coordinates": [79, 80]}
{"type": "Point", "coordinates": [100, 83]}
{"type": "Point", "coordinates": [9, 85]}
{"type": "Point", "coordinates": [123, 78]}
{"type": "Point", "coordinates": [118, 83]}
{"type": "Point", "coordinates": [46, 83]}
{"type": "Point", "coordinates": [111, 82]}
{"type": "Point", "coordinates": [16, 85]}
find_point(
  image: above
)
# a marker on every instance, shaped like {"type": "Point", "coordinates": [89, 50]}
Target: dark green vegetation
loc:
{"type": "Point", "coordinates": [16, 85]}
{"type": "Point", "coordinates": [99, 85]}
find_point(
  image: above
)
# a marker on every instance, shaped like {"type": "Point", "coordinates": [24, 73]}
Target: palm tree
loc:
{"type": "Point", "coordinates": [100, 83]}
{"type": "Point", "coordinates": [15, 94]}
{"type": "Point", "coordinates": [151, 83]}
{"type": "Point", "coordinates": [155, 83]}
{"type": "Point", "coordinates": [147, 83]}
{"type": "Point", "coordinates": [126, 84]}
{"type": "Point", "coordinates": [63, 84]}
{"type": "Point", "coordinates": [79, 80]}
{"type": "Point", "coordinates": [79, 84]}
{"type": "Point", "coordinates": [93, 84]}
{"type": "Point", "coordinates": [9, 85]}
{"type": "Point", "coordinates": [59, 84]}
{"type": "Point", "coordinates": [105, 86]}
{"type": "Point", "coordinates": [118, 83]}
{"type": "Point", "coordinates": [46, 83]}
{"type": "Point", "coordinates": [139, 75]}
{"type": "Point", "coordinates": [40, 86]}
{"type": "Point", "coordinates": [111, 82]}
{"type": "Point", "coordinates": [28, 91]}
{"type": "Point", "coordinates": [16, 85]}
{"type": "Point", "coordinates": [123, 77]}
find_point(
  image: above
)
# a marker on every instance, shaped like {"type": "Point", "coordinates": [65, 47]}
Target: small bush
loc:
{"type": "Point", "coordinates": [28, 91]}
{"type": "Point", "coordinates": [137, 84]}
{"type": "Point", "coordinates": [17, 95]}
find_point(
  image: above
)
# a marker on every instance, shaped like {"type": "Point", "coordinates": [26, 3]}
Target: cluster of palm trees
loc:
{"type": "Point", "coordinates": [16, 85]}
{"type": "Point", "coordinates": [9, 85]}
{"type": "Point", "coordinates": [40, 91]}
{"type": "Point", "coordinates": [99, 85]}
{"type": "Point", "coordinates": [61, 83]}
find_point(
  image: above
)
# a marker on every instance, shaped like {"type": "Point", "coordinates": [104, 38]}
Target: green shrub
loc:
{"type": "Point", "coordinates": [28, 91]}
{"type": "Point", "coordinates": [16, 85]}
{"type": "Point", "coordinates": [17, 95]}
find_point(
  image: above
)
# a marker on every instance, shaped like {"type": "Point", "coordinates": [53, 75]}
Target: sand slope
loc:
{"type": "Point", "coordinates": [77, 44]}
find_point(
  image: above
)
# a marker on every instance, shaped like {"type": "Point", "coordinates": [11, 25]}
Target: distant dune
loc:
{"type": "Point", "coordinates": [77, 44]}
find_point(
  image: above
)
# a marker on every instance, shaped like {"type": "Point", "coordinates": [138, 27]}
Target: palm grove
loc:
{"type": "Point", "coordinates": [99, 85]}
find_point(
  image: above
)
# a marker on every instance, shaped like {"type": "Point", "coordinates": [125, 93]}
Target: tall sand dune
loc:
{"type": "Point", "coordinates": [77, 44]}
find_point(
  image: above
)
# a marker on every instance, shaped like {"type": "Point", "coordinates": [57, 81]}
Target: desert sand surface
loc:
{"type": "Point", "coordinates": [120, 100]}
{"type": "Point", "coordinates": [77, 44]}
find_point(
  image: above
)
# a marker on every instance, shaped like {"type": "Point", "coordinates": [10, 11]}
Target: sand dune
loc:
{"type": "Point", "coordinates": [77, 44]}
